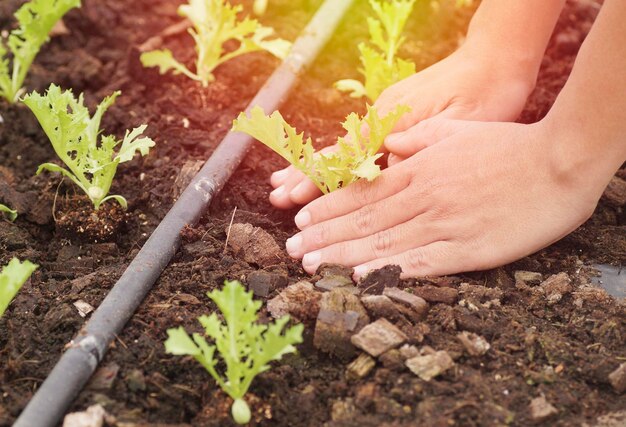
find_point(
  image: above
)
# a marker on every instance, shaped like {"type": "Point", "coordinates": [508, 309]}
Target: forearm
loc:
{"type": "Point", "coordinates": [513, 34]}
{"type": "Point", "coordinates": [591, 108]}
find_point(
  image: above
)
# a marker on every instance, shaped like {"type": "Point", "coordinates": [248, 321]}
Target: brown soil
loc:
{"type": "Point", "coordinates": [563, 351]}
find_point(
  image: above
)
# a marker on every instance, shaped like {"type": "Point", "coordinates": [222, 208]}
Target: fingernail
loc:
{"type": "Point", "coordinates": [361, 270]}
{"type": "Point", "coordinates": [303, 219]}
{"type": "Point", "coordinates": [280, 174]}
{"type": "Point", "coordinates": [293, 245]}
{"type": "Point", "coordinates": [297, 189]}
{"type": "Point", "coordinates": [278, 192]}
{"type": "Point", "coordinates": [312, 259]}
{"type": "Point", "coordinates": [393, 138]}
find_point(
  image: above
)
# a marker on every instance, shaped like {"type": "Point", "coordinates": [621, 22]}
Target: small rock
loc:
{"type": "Point", "coordinates": [262, 283]}
{"type": "Point", "coordinates": [136, 380]}
{"type": "Point", "coordinates": [475, 345]}
{"type": "Point", "coordinates": [617, 378]}
{"type": "Point", "coordinates": [299, 300]}
{"type": "Point", "coordinates": [541, 409]}
{"type": "Point", "coordinates": [381, 306]}
{"type": "Point", "coordinates": [378, 337]}
{"type": "Point", "coordinates": [409, 351]}
{"type": "Point", "coordinates": [437, 294]}
{"type": "Point", "coordinates": [377, 280]}
{"type": "Point", "coordinates": [330, 282]}
{"type": "Point", "coordinates": [431, 365]}
{"type": "Point", "coordinates": [83, 307]}
{"type": "Point", "coordinates": [417, 304]}
{"type": "Point", "coordinates": [328, 269]}
{"type": "Point", "coordinates": [392, 359]}
{"type": "Point", "coordinates": [255, 245]}
{"type": "Point", "coordinates": [556, 286]}
{"type": "Point", "coordinates": [527, 277]}
{"type": "Point", "coordinates": [615, 192]}
{"type": "Point", "coordinates": [341, 315]}
{"type": "Point", "coordinates": [104, 377]}
{"type": "Point", "coordinates": [360, 367]}
{"type": "Point", "coordinates": [94, 416]}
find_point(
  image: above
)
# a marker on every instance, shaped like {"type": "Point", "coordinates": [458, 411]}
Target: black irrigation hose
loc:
{"type": "Point", "coordinates": [87, 349]}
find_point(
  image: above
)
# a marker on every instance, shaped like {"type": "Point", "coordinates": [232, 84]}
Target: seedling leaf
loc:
{"type": "Point", "coordinates": [10, 213]}
{"type": "Point", "coordinates": [12, 277]}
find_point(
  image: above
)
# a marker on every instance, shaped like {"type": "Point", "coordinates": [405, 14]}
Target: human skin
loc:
{"type": "Point", "coordinates": [485, 193]}
{"type": "Point", "coordinates": [489, 79]}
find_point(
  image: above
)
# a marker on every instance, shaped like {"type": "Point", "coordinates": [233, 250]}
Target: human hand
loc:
{"type": "Point", "coordinates": [486, 194]}
{"type": "Point", "coordinates": [463, 86]}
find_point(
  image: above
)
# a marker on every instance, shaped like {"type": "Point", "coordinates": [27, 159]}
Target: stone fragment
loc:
{"type": "Point", "coordinates": [541, 410]}
{"type": "Point", "coordinates": [330, 282]}
{"type": "Point", "coordinates": [83, 307]}
{"type": "Point", "coordinates": [328, 269]}
{"type": "Point", "coordinates": [556, 286]}
{"type": "Point", "coordinates": [381, 306]}
{"type": "Point", "coordinates": [378, 337]}
{"type": "Point", "coordinates": [360, 367]}
{"type": "Point", "coordinates": [617, 378]}
{"type": "Point", "coordinates": [341, 315]}
{"type": "Point", "coordinates": [263, 283]}
{"type": "Point", "coordinates": [615, 192]}
{"type": "Point", "coordinates": [417, 304]}
{"type": "Point", "coordinates": [409, 351]}
{"type": "Point", "coordinates": [299, 300]}
{"type": "Point", "coordinates": [392, 359]}
{"type": "Point", "coordinates": [437, 294]}
{"type": "Point", "coordinates": [527, 277]}
{"type": "Point", "coordinates": [474, 344]}
{"type": "Point", "coordinates": [431, 365]}
{"type": "Point", "coordinates": [94, 416]}
{"type": "Point", "coordinates": [254, 245]}
{"type": "Point", "coordinates": [377, 280]}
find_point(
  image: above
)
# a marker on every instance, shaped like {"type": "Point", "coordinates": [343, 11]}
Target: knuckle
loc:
{"type": "Point", "coordinates": [319, 235]}
{"type": "Point", "coordinates": [381, 242]}
{"type": "Point", "coordinates": [361, 192]}
{"type": "Point", "coordinates": [415, 260]}
{"type": "Point", "coordinates": [364, 218]}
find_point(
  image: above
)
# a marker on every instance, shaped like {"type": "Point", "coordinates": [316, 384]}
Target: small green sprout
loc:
{"type": "Point", "coordinates": [36, 19]}
{"type": "Point", "coordinates": [12, 277]}
{"type": "Point", "coordinates": [354, 158]}
{"type": "Point", "coordinates": [380, 66]}
{"type": "Point", "coordinates": [74, 135]}
{"type": "Point", "coordinates": [245, 346]}
{"type": "Point", "coordinates": [10, 213]}
{"type": "Point", "coordinates": [214, 23]}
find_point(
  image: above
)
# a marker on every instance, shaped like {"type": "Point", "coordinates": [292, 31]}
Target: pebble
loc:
{"type": "Point", "coordinates": [376, 281]}
{"type": "Point", "coordinates": [556, 286]}
{"type": "Point", "coordinates": [341, 315]}
{"type": "Point", "coordinates": [409, 351]}
{"type": "Point", "coordinates": [436, 294]}
{"type": "Point", "coordinates": [431, 365]}
{"type": "Point", "coordinates": [263, 283]}
{"type": "Point", "coordinates": [474, 344]}
{"type": "Point", "coordinates": [300, 300]}
{"type": "Point", "coordinates": [83, 307]}
{"type": "Point", "coordinates": [330, 282]}
{"type": "Point", "coordinates": [418, 305]}
{"type": "Point", "coordinates": [360, 367]}
{"type": "Point", "coordinates": [541, 409]}
{"type": "Point", "coordinates": [617, 378]}
{"type": "Point", "coordinates": [328, 269]}
{"type": "Point", "coordinates": [527, 277]}
{"type": "Point", "coordinates": [381, 306]}
{"type": "Point", "coordinates": [94, 416]}
{"type": "Point", "coordinates": [379, 337]}
{"type": "Point", "coordinates": [254, 245]}
{"type": "Point", "coordinates": [392, 359]}
{"type": "Point", "coordinates": [615, 192]}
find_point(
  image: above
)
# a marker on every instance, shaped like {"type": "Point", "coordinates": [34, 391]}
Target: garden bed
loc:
{"type": "Point", "coordinates": [563, 351]}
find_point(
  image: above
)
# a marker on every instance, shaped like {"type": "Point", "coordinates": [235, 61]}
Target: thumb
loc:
{"type": "Point", "coordinates": [423, 134]}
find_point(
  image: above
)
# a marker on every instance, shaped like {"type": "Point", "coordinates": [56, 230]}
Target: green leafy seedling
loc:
{"type": "Point", "coordinates": [214, 23]}
{"type": "Point", "coordinates": [36, 19]}
{"type": "Point", "coordinates": [91, 163]}
{"type": "Point", "coordinates": [354, 158]}
{"type": "Point", "coordinates": [10, 213]}
{"type": "Point", "coordinates": [12, 278]}
{"type": "Point", "coordinates": [380, 66]}
{"type": "Point", "coordinates": [245, 347]}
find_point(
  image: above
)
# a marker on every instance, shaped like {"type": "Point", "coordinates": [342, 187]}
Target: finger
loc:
{"type": "Point", "coordinates": [434, 259]}
{"type": "Point", "coordinates": [394, 159]}
{"type": "Point", "coordinates": [382, 244]}
{"type": "Point", "coordinates": [422, 135]}
{"type": "Point", "coordinates": [352, 198]}
{"type": "Point", "coordinates": [279, 177]}
{"type": "Point", "coordinates": [304, 192]}
{"type": "Point", "coordinates": [280, 198]}
{"type": "Point", "coordinates": [366, 221]}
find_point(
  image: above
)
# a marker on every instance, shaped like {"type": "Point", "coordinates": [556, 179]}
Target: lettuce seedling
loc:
{"type": "Point", "coordinates": [10, 213]}
{"type": "Point", "coordinates": [354, 158]}
{"type": "Point", "coordinates": [36, 19]}
{"type": "Point", "coordinates": [12, 278]}
{"type": "Point", "coordinates": [380, 66]}
{"type": "Point", "coordinates": [214, 23]}
{"type": "Point", "coordinates": [245, 347]}
{"type": "Point", "coordinates": [74, 136]}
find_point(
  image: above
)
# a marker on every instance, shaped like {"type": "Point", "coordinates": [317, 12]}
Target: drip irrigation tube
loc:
{"type": "Point", "coordinates": [87, 349]}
